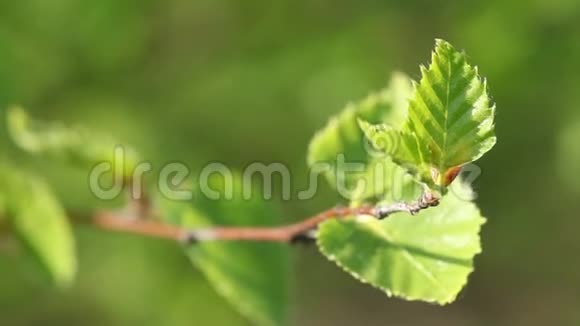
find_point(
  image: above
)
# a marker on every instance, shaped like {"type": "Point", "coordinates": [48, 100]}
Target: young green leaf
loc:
{"type": "Point", "coordinates": [342, 141]}
{"type": "Point", "coordinates": [425, 257]}
{"type": "Point", "coordinates": [251, 276]}
{"type": "Point", "coordinates": [450, 120]}
{"type": "Point", "coordinates": [39, 220]}
{"type": "Point", "coordinates": [71, 144]}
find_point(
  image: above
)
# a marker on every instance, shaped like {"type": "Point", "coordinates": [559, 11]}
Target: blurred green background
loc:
{"type": "Point", "coordinates": [244, 81]}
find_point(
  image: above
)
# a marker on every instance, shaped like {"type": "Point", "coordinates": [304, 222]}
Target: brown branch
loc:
{"type": "Point", "coordinates": [117, 222]}
{"type": "Point", "coordinates": [288, 233]}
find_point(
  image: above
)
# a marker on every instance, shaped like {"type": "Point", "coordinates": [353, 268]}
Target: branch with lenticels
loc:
{"type": "Point", "coordinates": [297, 232]}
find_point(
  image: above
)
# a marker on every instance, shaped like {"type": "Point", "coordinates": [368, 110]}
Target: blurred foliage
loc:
{"type": "Point", "coordinates": [206, 80]}
{"type": "Point", "coordinates": [569, 155]}
{"type": "Point", "coordinates": [39, 220]}
{"type": "Point", "coordinates": [76, 146]}
{"type": "Point", "coordinates": [253, 277]}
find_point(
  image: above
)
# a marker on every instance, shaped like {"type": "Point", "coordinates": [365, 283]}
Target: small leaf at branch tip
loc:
{"type": "Point", "coordinates": [449, 121]}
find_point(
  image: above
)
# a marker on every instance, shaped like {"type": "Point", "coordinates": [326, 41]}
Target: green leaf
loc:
{"type": "Point", "coordinates": [450, 120]}
{"type": "Point", "coordinates": [72, 144]}
{"type": "Point", "coordinates": [425, 257]}
{"type": "Point", "coordinates": [342, 137]}
{"type": "Point", "coordinates": [40, 222]}
{"type": "Point", "coordinates": [251, 276]}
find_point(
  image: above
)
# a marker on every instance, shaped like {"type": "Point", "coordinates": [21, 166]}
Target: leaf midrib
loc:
{"type": "Point", "coordinates": [446, 116]}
